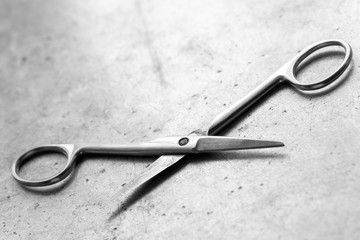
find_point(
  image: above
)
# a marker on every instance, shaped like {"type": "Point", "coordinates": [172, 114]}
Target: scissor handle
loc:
{"type": "Point", "coordinates": [285, 74]}
{"type": "Point", "coordinates": [288, 71]}
{"type": "Point", "coordinates": [160, 146]}
{"type": "Point", "coordinates": [68, 150]}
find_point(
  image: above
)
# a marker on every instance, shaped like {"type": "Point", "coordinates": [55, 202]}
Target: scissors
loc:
{"type": "Point", "coordinates": [173, 149]}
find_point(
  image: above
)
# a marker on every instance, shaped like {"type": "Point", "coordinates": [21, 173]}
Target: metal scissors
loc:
{"type": "Point", "coordinates": [173, 149]}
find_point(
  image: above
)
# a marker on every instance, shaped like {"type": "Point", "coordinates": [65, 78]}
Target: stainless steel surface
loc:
{"type": "Point", "coordinates": [160, 146]}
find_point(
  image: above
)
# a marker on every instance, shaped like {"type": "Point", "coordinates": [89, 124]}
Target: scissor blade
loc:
{"type": "Point", "coordinates": [154, 169]}
{"type": "Point", "coordinates": [208, 144]}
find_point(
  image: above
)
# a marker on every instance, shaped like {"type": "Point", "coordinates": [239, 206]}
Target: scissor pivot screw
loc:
{"type": "Point", "coordinates": [183, 141]}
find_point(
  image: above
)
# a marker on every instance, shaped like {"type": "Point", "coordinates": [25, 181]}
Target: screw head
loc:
{"type": "Point", "coordinates": [183, 141]}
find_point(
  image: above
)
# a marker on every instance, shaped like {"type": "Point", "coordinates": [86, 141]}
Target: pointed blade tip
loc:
{"type": "Point", "coordinates": [279, 144]}
{"type": "Point", "coordinates": [269, 144]}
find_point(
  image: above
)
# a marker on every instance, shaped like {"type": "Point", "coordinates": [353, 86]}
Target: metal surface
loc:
{"type": "Point", "coordinates": [160, 146]}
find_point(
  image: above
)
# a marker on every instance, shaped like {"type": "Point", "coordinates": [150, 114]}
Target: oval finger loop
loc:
{"type": "Point", "coordinates": [298, 59]}
{"type": "Point", "coordinates": [65, 149]}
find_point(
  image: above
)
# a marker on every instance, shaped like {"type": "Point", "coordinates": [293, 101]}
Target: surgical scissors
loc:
{"type": "Point", "coordinates": [173, 149]}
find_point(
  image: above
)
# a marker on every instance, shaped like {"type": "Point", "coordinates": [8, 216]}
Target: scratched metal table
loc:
{"type": "Point", "coordinates": [131, 71]}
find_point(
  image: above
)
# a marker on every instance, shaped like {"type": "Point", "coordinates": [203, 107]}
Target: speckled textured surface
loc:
{"type": "Point", "coordinates": [131, 71]}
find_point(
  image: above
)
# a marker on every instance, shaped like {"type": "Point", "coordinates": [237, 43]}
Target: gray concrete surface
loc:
{"type": "Point", "coordinates": [130, 71]}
